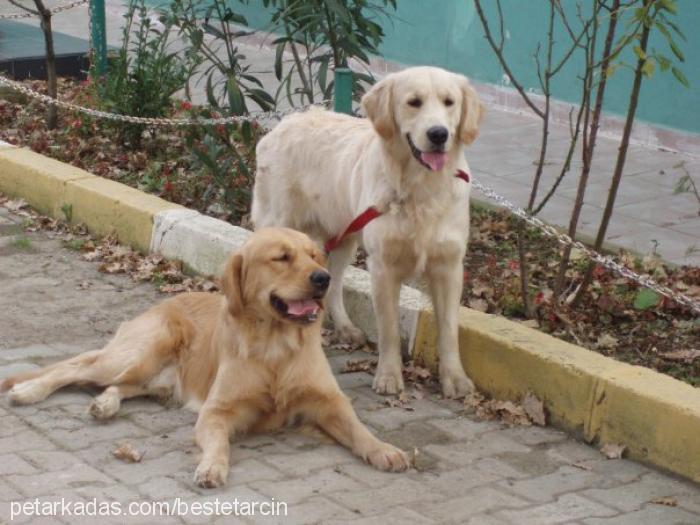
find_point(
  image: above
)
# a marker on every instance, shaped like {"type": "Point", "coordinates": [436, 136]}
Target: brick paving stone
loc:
{"type": "Point", "coordinates": [317, 509]}
{"type": "Point", "coordinates": [484, 445]}
{"type": "Point", "coordinates": [301, 463]}
{"type": "Point", "coordinates": [15, 464]}
{"type": "Point", "coordinates": [649, 515]}
{"type": "Point", "coordinates": [567, 508]}
{"type": "Point", "coordinates": [463, 428]}
{"type": "Point", "coordinates": [45, 484]}
{"type": "Point", "coordinates": [468, 471]}
{"type": "Point", "coordinates": [400, 492]}
{"type": "Point", "coordinates": [28, 353]}
{"type": "Point", "coordinates": [476, 501]}
{"type": "Point", "coordinates": [651, 486]}
{"type": "Point", "coordinates": [94, 432]}
{"type": "Point", "coordinates": [534, 436]}
{"type": "Point", "coordinates": [550, 486]}
{"type": "Point", "coordinates": [394, 516]}
{"type": "Point", "coordinates": [294, 490]}
{"type": "Point", "coordinates": [25, 439]}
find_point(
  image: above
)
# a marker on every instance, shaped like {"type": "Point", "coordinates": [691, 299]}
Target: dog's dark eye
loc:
{"type": "Point", "coordinates": [449, 102]}
{"type": "Point", "coordinates": [281, 258]}
{"type": "Point", "coordinates": [415, 102]}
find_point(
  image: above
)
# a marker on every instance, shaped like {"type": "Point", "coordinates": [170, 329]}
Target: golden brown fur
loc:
{"type": "Point", "coordinates": [236, 357]}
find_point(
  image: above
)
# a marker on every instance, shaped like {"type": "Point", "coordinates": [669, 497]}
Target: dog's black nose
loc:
{"type": "Point", "coordinates": [438, 135]}
{"type": "Point", "coordinates": [320, 280]}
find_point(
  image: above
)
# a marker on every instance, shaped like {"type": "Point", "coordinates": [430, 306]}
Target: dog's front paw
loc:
{"type": "Point", "coordinates": [387, 383]}
{"type": "Point", "coordinates": [389, 458]}
{"type": "Point", "coordinates": [349, 334]}
{"type": "Point", "coordinates": [211, 475]}
{"type": "Point", "coordinates": [455, 383]}
{"type": "Point", "coordinates": [28, 392]}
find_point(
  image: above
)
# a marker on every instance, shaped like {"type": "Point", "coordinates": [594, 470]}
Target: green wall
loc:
{"type": "Point", "coordinates": [448, 33]}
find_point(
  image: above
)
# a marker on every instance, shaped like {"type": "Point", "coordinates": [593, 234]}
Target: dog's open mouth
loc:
{"type": "Point", "coordinates": [433, 160]}
{"type": "Point", "coordinates": [300, 310]}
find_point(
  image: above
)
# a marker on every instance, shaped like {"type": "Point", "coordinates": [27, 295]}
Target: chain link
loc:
{"type": "Point", "coordinates": [54, 11]}
{"type": "Point", "coordinates": [547, 229]}
{"type": "Point", "coordinates": [150, 121]}
{"type": "Point", "coordinates": [605, 260]}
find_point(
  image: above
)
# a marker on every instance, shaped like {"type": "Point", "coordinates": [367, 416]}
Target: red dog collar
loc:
{"type": "Point", "coordinates": [367, 216]}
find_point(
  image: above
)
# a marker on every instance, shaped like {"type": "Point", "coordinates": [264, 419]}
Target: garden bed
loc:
{"type": "Point", "coordinates": [195, 169]}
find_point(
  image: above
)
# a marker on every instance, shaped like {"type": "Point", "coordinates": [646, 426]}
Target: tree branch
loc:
{"type": "Point", "coordinates": [498, 50]}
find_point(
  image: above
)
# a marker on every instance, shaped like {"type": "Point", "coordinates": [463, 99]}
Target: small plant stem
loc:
{"type": "Point", "coordinates": [622, 153]}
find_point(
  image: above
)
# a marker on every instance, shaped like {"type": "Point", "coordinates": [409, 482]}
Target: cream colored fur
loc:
{"type": "Point", "coordinates": [318, 170]}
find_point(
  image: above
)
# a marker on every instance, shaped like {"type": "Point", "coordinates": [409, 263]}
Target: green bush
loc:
{"type": "Point", "coordinates": [145, 74]}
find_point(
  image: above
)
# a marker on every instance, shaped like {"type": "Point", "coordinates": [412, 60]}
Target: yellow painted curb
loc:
{"type": "Point", "coordinates": [56, 188]}
{"type": "Point", "coordinates": [39, 180]}
{"type": "Point", "coordinates": [593, 396]}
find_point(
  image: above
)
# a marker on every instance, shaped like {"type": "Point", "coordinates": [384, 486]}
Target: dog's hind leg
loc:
{"type": "Point", "coordinates": [338, 260]}
{"type": "Point", "coordinates": [34, 387]}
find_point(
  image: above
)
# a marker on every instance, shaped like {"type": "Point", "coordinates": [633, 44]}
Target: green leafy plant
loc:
{"type": "Point", "coordinates": [225, 156]}
{"type": "Point", "coordinates": [645, 299]}
{"type": "Point", "coordinates": [209, 27]}
{"type": "Point", "coordinates": [145, 73]}
{"type": "Point", "coordinates": [322, 35]}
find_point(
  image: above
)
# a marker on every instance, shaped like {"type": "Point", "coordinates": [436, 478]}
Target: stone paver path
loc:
{"type": "Point", "coordinates": [53, 304]}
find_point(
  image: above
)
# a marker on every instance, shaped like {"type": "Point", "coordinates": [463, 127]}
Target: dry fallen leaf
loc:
{"type": "Point", "coordinates": [510, 413]}
{"type": "Point", "coordinates": [607, 341]}
{"type": "Point", "coordinates": [414, 373]}
{"type": "Point", "coordinates": [534, 408]}
{"type": "Point", "coordinates": [16, 205]}
{"type": "Point", "coordinates": [414, 457]}
{"type": "Point", "coordinates": [480, 305]}
{"type": "Point", "coordinates": [127, 452]}
{"type": "Point", "coordinates": [358, 365]}
{"type": "Point", "coordinates": [613, 450]}
{"type": "Point", "coordinates": [669, 501]}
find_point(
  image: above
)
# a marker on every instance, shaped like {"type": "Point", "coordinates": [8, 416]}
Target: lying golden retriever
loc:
{"type": "Point", "coordinates": [317, 171]}
{"type": "Point", "coordinates": [247, 360]}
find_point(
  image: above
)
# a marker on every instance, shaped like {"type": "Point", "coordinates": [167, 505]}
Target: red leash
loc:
{"type": "Point", "coordinates": [367, 216]}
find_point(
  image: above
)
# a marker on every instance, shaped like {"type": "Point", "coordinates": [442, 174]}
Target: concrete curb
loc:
{"type": "Point", "coordinates": [595, 397]}
{"type": "Point", "coordinates": [202, 243]}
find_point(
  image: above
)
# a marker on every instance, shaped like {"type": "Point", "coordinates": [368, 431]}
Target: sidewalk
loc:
{"type": "Point", "coordinates": [648, 215]}
{"type": "Point", "coordinates": [55, 305]}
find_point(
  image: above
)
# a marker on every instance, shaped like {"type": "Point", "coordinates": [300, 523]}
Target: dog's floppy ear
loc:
{"type": "Point", "coordinates": [472, 113]}
{"type": "Point", "coordinates": [378, 106]}
{"type": "Point", "coordinates": [232, 284]}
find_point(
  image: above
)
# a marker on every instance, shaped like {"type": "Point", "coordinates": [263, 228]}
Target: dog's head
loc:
{"type": "Point", "coordinates": [277, 274]}
{"type": "Point", "coordinates": [431, 110]}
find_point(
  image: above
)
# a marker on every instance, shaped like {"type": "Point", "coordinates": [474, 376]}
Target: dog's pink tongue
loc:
{"type": "Point", "coordinates": [304, 307]}
{"type": "Point", "coordinates": [436, 160]}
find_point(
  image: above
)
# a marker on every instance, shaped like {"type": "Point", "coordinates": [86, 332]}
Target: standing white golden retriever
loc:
{"type": "Point", "coordinates": [317, 171]}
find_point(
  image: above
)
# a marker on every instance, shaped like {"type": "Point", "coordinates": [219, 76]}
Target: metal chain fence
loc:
{"type": "Point", "coordinates": [604, 260]}
{"type": "Point", "coordinates": [547, 229]}
{"type": "Point", "coordinates": [255, 116]}
{"type": "Point", "coordinates": [54, 11]}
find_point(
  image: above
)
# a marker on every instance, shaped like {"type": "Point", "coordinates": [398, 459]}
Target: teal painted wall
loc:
{"type": "Point", "coordinates": [448, 33]}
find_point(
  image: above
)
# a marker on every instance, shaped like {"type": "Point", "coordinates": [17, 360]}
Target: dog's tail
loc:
{"type": "Point", "coordinates": [11, 381]}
